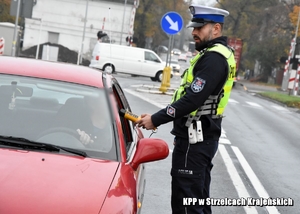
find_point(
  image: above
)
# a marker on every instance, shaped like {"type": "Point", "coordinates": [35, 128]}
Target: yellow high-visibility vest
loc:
{"type": "Point", "coordinates": [214, 105]}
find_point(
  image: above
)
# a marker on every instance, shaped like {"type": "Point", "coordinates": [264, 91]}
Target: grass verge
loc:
{"type": "Point", "coordinates": [288, 100]}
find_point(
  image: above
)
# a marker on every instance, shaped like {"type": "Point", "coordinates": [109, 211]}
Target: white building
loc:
{"type": "Point", "coordinates": [62, 22]}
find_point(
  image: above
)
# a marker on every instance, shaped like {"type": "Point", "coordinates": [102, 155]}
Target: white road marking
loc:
{"type": "Point", "coordinates": [254, 104]}
{"type": "Point", "coordinates": [144, 98]}
{"type": "Point", "coordinates": [254, 180]}
{"type": "Point", "coordinates": [232, 171]}
{"type": "Point", "coordinates": [236, 179]}
{"type": "Point", "coordinates": [232, 101]}
{"type": "Point", "coordinates": [279, 108]}
{"type": "Point", "coordinates": [224, 141]}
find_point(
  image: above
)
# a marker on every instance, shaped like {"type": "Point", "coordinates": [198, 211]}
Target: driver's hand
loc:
{"type": "Point", "coordinates": [84, 137]}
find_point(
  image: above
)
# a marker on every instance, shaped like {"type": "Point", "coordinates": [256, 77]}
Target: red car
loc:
{"type": "Point", "coordinates": [64, 148]}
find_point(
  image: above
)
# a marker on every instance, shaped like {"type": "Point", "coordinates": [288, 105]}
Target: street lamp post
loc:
{"type": "Point", "coordinates": [15, 31]}
{"type": "Point", "coordinates": [83, 35]}
{"type": "Point", "coordinates": [39, 40]}
{"type": "Point", "coordinates": [123, 21]}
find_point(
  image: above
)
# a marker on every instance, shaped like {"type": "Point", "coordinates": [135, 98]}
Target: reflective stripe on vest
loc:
{"type": "Point", "coordinates": [215, 104]}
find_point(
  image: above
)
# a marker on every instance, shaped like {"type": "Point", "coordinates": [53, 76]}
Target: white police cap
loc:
{"type": "Point", "coordinates": [204, 14]}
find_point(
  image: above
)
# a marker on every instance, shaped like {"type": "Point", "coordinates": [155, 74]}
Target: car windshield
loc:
{"type": "Point", "coordinates": [59, 113]}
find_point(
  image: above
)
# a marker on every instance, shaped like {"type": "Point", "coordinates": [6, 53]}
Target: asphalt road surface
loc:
{"type": "Point", "coordinates": [257, 162]}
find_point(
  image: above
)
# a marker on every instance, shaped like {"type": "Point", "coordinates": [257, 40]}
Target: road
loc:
{"type": "Point", "coordinates": [258, 155]}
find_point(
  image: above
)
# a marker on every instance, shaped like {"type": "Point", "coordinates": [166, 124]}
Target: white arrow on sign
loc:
{"type": "Point", "coordinates": [174, 25]}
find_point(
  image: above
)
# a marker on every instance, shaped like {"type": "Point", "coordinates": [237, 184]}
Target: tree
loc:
{"type": "Point", "coordinates": [294, 16]}
{"type": "Point", "coordinates": [4, 12]}
{"type": "Point", "coordinates": [265, 29]}
{"type": "Point", "coordinates": [148, 18]}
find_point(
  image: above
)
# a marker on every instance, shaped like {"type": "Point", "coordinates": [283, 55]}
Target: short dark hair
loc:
{"type": "Point", "coordinates": [101, 34]}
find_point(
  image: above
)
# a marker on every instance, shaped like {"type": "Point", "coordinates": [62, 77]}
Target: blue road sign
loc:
{"type": "Point", "coordinates": [171, 23]}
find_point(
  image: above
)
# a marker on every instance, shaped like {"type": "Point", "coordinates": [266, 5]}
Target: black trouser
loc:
{"type": "Point", "coordinates": [191, 166]}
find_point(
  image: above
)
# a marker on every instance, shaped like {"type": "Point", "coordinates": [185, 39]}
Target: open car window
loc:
{"type": "Point", "coordinates": [52, 112]}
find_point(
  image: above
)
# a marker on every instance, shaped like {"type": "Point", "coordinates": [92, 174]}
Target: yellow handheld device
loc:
{"type": "Point", "coordinates": [128, 115]}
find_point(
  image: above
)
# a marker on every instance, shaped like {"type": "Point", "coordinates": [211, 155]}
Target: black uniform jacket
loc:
{"type": "Point", "coordinates": [211, 71]}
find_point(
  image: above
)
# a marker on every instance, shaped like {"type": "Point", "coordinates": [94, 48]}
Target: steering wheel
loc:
{"type": "Point", "coordinates": [67, 136]}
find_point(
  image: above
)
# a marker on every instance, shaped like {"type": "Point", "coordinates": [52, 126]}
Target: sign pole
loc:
{"type": "Point", "coordinates": [171, 23]}
{"type": "Point", "coordinates": [296, 76]}
{"type": "Point", "coordinates": [79, 59]}
{"type": "Point", "coordinates": [169, 52]}
{"type": "Point", "coordinates": [16, 29]}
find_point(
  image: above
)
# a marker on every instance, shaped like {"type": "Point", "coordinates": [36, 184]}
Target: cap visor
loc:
{"type": "Point", "coordinates": [196, 24]}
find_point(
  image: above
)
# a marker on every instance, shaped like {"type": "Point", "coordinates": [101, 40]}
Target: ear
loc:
{"type": "Point", "coordinates": [217, 29]}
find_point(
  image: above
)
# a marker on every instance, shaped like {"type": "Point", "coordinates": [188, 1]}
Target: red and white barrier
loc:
{"type": "Point", "coordinates": [297, 81]}
{"type": "Point", "coordinates": [2, 43]}
{"type": "Point", "coordinates": [287, 62]}
{"type": "Point", "coordinates": [132, 17]}
{"type": "Point", "coordinates": [103, 24]}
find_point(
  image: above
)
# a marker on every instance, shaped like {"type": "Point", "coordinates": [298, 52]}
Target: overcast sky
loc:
{"type": "Point", "coordinates": [205, 2]}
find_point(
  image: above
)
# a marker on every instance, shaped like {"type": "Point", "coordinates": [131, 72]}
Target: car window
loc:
{"type": "Point", "coordinates": [127, 126]}
{"type": "Point", "coordinates": [52, 112]}
{"type": "Point", "coordinates": [151, 57]}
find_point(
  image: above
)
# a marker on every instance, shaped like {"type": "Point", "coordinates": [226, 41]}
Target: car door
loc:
{"type": "Point", "coordinates": [152, 64]}
{"type": "Point", "coordinates": [131, 136]}
{"type": "Point", "coordinates": [132, 62]}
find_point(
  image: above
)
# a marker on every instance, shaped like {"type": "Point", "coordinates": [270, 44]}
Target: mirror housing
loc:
{"type": "Point", "coordinates": [149, 149]}
{"type": "Point", "coordinates": [20, 91]}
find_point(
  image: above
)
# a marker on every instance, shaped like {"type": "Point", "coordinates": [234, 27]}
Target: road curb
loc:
{"type": "Point", "coordinates": [269, 99]}
{"type": "Point", "coordinates": [153, 89]}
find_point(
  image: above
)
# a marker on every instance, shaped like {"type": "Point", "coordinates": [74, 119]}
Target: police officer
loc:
{"type": "Point", "coordinates": [196, 110]}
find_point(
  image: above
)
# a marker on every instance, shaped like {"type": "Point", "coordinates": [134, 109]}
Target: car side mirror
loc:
{"type": "Point", "coordinates": [149, 149]}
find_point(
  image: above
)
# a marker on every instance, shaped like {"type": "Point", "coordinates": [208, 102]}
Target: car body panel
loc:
{"type": "Point", "coordinates": [51, 70]}
{"type": "Point", "coordinates": [174, 64]}
{"type": "Point", "coordinates": [43, 181]}
{"type": "Point", "coordinates": [182, 57]}
{"type": "Point", "coordinates": [126, 59]}
{"type": "Point", "coordinates": [176, 51]}
{"type": "Point", "coordinates": [38, 180]}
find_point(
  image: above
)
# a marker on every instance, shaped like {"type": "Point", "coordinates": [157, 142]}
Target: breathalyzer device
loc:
{"type": "Point", "coordinates": [128, 115]}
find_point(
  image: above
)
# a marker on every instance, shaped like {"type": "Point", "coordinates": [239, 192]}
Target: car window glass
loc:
{"type": "Point", "coordinates": [127, 125]}
{"type": "Point", "coordinates": [52, 111]}
{"type": "Point", "coordinates": [151, 57]}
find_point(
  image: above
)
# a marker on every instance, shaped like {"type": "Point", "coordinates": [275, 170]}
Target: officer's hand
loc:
{"type": "Point", "coordinates": [145, 122]}
{"type": "Point", "coordinates": [85, 139]}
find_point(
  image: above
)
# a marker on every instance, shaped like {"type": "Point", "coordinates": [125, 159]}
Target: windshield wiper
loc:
{"type": "Point", "coordinates": [25, 143]}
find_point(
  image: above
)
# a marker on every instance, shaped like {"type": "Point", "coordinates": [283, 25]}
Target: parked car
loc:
{"type": "Point", "coordinates": [161, 49]}
{"type": "Point", "coordinates": [189, 54]}
{"type": "Point", "coordinates": [128, 60]}
{"type": "Point", "coordinates": [174, 64]}
{"type": "Point", "coordinates": [182, 57]}
{"type": "Point", "coordinates": [176, 51]}
{"type": "Point", "coordinates": [45, 165]}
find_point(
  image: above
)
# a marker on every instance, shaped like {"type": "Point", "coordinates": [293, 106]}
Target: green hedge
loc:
{"type": "Point", "coordinates": [288, 100]}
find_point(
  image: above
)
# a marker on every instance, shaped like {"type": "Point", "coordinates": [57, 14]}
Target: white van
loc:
{"type": "Point", "coordinates": [128, 60]}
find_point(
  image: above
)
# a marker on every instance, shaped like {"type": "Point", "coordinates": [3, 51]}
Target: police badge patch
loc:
{"type": "Point", "coordinates": [198, 85]}
{"type": "Point", "coordinates": [171, 111]}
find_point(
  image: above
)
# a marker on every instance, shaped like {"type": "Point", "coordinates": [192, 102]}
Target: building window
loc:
{"type": "Point", "coordinates": [53, 37]}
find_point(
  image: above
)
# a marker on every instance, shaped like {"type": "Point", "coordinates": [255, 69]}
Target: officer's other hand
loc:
{"type": "Point", "coordinates": [145, 122]}
{"type": "Point", "coordinates": [85, 139]}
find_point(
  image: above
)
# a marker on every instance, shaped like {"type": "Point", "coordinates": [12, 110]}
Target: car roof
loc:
{"type": "Point", "coordinates": [51, 70]}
